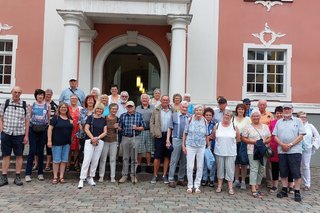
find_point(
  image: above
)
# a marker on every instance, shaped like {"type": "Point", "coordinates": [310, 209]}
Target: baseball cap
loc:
{"type": "Point", "coordinates": [130, 103]}
{"type": "Point", "coordinates": [287, 106]}
{"type": "Point", "coordinates": [73, 79]}
{"type": "Point", "coordinates": [246, 101]}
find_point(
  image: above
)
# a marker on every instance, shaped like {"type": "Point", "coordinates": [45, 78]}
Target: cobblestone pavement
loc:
{"type": "Point", "coordinates": [144, 197]}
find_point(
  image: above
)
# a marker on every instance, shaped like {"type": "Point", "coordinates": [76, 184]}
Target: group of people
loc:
{"type": "Point", "coordinates": [208, 142]}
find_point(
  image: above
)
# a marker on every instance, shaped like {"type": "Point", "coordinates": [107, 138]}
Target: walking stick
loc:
{"type": "Point", "coordinates": [134, 156]}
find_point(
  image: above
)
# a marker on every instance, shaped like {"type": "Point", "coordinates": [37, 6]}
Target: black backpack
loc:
{"type": "Point", "coordinates": [7, 103]}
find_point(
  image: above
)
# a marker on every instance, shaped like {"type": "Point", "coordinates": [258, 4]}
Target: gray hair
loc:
{"type": "Point", "coordinates": [187, 95]}
{"type": "Point", "coordinates": [198, 106]}
{"type": "Point", "coordinates": [144, 94]}
{"type": "Point", "coordinates": [96, 89]}
{"type": "Point", "coordinates": [49, 91]}
{"type": "Point", "coordinates": [184, 103]}
{"type": "Point", "coordinates": [255, 111]}
{"type": "Point", "coordinates": [156, 90]}
{"type": "Point", "coordinates": [124, 93]}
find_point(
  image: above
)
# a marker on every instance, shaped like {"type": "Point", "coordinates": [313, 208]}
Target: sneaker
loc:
{"type": "Point", "coordinates": [204, 182]}
{"type": "Point", "coordinates": [80, 185]}
{"type": "Point", "coordinates": [236, 183]}
{"type": "Point", "coordinates": [243, 186]}
{"type": "Point", "coordinates": [172, 184]}
{"type": "Point", "coordinates": [18, 181]}
{"type": "Point", "coordinates": [3, 181]}
{"type": "Point", "coordinates": [100, 180]}
{"type": "Point", "coordinates": [138, 169]}
{"type": "Point", "coordinates": [154, 180]}
{"type": "Point", "coordinates": [182, 183]}
{"type": "Point", "coordinates": [282, 194]}
{"type": "Point", "coordinates": [291, 190]}
{"type": "Point", "coordinates": [112, 180]}
{"type": "Point", "coordinates": [40, 177]}
{"type": "Point", "coordinates": [273, 189]}
{"type": "Point", "coordinates": [123, 179]}
{"type": "Point", "coordinates": [134, 179]}
{"type": "Point", "coordinates": [28, 178]}
{"type": "Point", "coordinates": [297, 197]}
{"type": "Point", "coordinates": [91, 181]}
{"type": "Point", "coordinates": [149, 169]}
{"type": "Point", "coordinates": [165, 180]}
{"type": "Point", "coordinates": [211, 184]}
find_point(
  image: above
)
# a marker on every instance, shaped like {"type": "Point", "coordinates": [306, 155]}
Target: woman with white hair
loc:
{"type": "Point", "coordinates": [250, 135]}
{"type": "Point", "coordinates": [195, 139]}
{"type": "Point", "coordinates": [96, 129]}
{"type": "Point", "coordinates": [226, 135]}
{"type": "Point", "coordinates": [95, 92]}
{"type": "Point", "coordinates": [155, 101]}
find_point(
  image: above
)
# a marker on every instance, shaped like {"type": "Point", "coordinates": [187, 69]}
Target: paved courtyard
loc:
{"type": "Point", "coordinates": [144, 197]}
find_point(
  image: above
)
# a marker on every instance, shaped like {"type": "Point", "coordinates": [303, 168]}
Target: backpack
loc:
{"type": "Point", "coordinates": [7, 103]}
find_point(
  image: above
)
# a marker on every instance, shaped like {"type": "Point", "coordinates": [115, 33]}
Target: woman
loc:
{"type": "Point", "coordinates": [95, 128]}
{"type": "Point", "coordinates": [74, 110]}
{"type": "Point", "coordinates": [177, 98]}
{"type": "Point", "coordinates": [195, 139]}
{"type": "Point", "coordinates": [59, 139]}
{"type": "Point", "coordinates": [241, 121]}
{"type": "Point", "coordinates": [39, 120]}
{"type": "Point", "coordinates": [226, 135]}
{"type": "Point", "coordinates": [250, 135]}
{"type": "Point", "coordinates": [208, 115]}
{"type": "Point", "coordinates": [95, 92]}
{"type": "Point", "coordinates": [311, 134]}
{"type": "Point", "coordinates": [104, 99]}
{"type": "Point", "coordinates": [155, 101]}
{"type": "Point", "coordinates": [110, 144]}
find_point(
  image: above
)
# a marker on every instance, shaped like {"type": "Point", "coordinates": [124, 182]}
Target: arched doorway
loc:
{"type": "Point", "coordinates": [109, 47]}
{"type": "Point", "coordinates": [125, 65]}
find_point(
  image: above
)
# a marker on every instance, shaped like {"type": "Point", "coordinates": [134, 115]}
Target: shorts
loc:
{"type": "Point", "coordinates": [12, 142]}
{"type": "Point", "coordinates": [146, 144]}
{"type": "Point", "coordinates": [160, 149]}
{"type": "Point", "coordinates": [60, 153]}
{"type": "Point", "coordinates": [290, 163]}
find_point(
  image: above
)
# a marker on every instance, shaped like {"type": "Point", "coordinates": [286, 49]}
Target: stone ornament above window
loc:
{"type": "Point", "coordinates": [4, 27]}
{"type": "Point", "coordinates": [267, 31]}
{"type": "Point", "coordinates": [270, 4]}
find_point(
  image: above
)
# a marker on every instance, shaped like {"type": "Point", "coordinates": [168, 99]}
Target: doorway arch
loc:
{"type": "Point", "coordinates": [121, 40]}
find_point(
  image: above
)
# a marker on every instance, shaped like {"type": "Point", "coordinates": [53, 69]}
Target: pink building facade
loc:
{"type": "Point", "coordinates": [237, 49]}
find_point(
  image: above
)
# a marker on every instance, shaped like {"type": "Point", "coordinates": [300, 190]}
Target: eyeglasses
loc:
{"type": "Point", "coordinates": [248, 104]}
{"type": "Point", "coordinates": [124, 96]}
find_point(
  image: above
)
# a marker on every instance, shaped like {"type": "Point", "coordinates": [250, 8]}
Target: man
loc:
{"type": "Point", "coordinates": [146, 143]}
{"type": "Point", "coordinates": [159, 123]}
{"type": "Point", "coordinates": [114, 97]}
{"type": "Point", "coordinates": [247, 103]}
{"type": "Point", "coordinates": [124, 96]}
{"type": "Point", "coordinates": [218, 113]}
{"type": "Point", "coordinates": [289, 132]}
{"type": "Point", "coordinates": [14, 126]}
{"type": "Point", "coordinates": [177, 124]}
{"type": "Point", "coordinates": [266, 118]}
{"type": "Point", "coordinates": [187, 98]}
{"type": "Point", "coordinates": [73, 89]}
{"type": "Point", "coordinates": [130, 124]}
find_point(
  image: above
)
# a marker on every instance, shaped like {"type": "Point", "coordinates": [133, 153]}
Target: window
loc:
{"type": "Point", "coordinates": [267, 72]}
{"type": "Point", "coordinates": [8, 46]}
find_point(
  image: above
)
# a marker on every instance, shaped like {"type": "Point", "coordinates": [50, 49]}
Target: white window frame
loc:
{"type": "Point", "coordinates": [286, 95]}
{"type": "Point", "coordinates": [14, 39]}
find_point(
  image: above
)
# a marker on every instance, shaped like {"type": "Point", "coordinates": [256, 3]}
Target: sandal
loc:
{"type": "Point", "coordinates": [256, 195]}
{"type": "Point", "coordinates": [231, 191]}
{"type": "Point", "coordinates": [77, 168]}
{"type": "Point", "coordinates": [62, 181]}
{"type": "Point", "coordinates": [54, 180]}
{"type": "Point", "coordinates": [218, 190]}
{"type": "Point", "coordinates": [189, 190]}
{"type": "Point", "coordinates": [68, 168]}
{"type": "Point", "coordinates": [260, 193]}
{"type": "Point", "coordinates": [47, 169]}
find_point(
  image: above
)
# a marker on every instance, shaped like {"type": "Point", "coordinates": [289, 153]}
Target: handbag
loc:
{"type": "Point", "coordinates": [209, 158]}
{"type": "Point", "coordinates": [80, 134]}
{"type": "Point", "coordinates": [269, 152]}
{"type": "Point", "coordinates": [39, 127]}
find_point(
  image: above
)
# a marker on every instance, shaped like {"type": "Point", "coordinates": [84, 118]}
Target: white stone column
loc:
{"type": "Point", "coordinates": [85, 60]}
{"type": "Point", "coordinates": [178, 52]}
{"type": "Point", "coordinates": [71, 41]}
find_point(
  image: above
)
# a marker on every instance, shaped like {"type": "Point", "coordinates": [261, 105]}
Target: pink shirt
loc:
{"type": "Point", "coordinates": [273, 143]}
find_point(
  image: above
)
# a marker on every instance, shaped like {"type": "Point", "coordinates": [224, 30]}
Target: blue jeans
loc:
{"type": "Point", "coordinates": [177, 156]}
{"type": "Point", "coordinates": [37, 140]}
{"type": "Point", "coordinates": [60, 153]}
{"type": "Point", "coordinates": [212, 171]}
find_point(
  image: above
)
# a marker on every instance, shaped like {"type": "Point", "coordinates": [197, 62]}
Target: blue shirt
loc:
{"type": "Point", "coordinates": [126, 121]}
{"type": "Point", "coordinates": [106, 111]}
{"type": "Point", "coordinates": [177, 124]}
{"type": "Point", "coordinates": [65, 96]}
{"type": "Point", "coordinates": [196, 131]}
{"type": "Point", "coordinates": [211, 125]}
{"type": "Point", "coordinates": [249, 111]}
{"type": "Point", "coordinates": [191, 109]}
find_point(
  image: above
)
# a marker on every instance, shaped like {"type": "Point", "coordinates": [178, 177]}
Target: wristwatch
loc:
{"type": "Point", "coordinates": [291, 144]}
